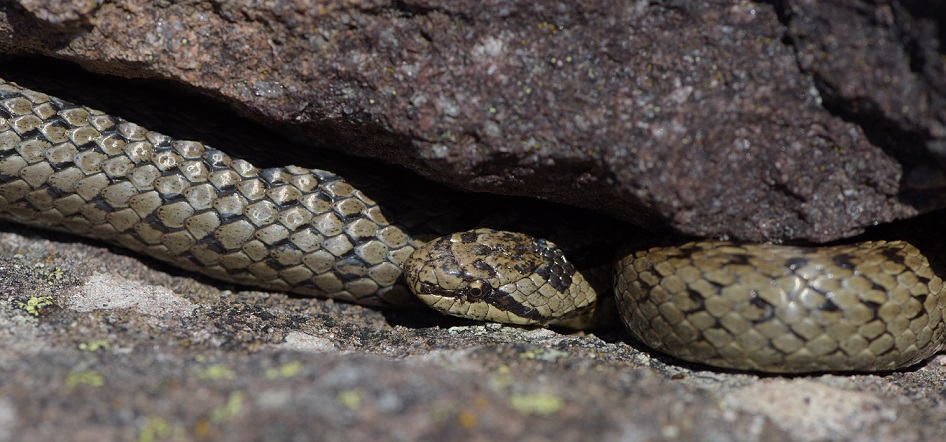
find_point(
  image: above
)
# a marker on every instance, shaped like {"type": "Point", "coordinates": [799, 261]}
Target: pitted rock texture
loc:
{"type": "Point", "coordinates": [756, 121]}
{"type": "Point", "coordinates": [100, 346]}
{"type": "Point", "coordinates": [881, 67]}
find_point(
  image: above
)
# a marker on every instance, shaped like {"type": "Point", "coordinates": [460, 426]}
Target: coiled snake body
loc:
{"type": "Point", "coordinates": [871, 306]}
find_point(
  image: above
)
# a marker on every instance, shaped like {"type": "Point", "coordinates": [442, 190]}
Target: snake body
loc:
{"type": "Point", "coordinates": [75, 169]}
{"type": "Point", "coordinates": [873, 306]}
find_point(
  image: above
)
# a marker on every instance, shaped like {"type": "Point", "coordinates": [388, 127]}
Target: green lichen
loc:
{"type": "Point", "coordinates": [90, 378]}
{"type": "Point", "coordinates": [157, 428]}
{"type": "Point", "coordinates": [543, 404]}
{"type": "Point", "coordinates": [501, 382]}
{"type": "Point", "coordinates": [229, 410]}
{"type": "Point", "coordinates": [284, 371]}
{"type": "Point", "coordinates": [215, 372]}
{"type": "Point", "coordinates": [54, 275]}
{"type": "Point", "coordinates": [443, 412]}
{"type": "Point", "coordinates": [96, 345]}
{"type": "Point", "coordinates": [36, 304]}
{"type": "Point", "coordinates": [351, 399]}
{"type": "Point", "coordinates": [552, 28]}
{"type": "Point", "coordinates": [543, 354]}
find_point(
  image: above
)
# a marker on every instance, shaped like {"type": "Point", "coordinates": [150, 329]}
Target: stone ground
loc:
{"type": "Point", "coordinates": [101, 345]}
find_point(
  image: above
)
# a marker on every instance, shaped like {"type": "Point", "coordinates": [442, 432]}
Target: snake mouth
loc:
{"type": "Point", "coordinates": [462, 301]}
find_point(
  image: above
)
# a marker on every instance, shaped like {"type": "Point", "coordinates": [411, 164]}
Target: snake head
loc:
{"type": "Point", "coordinates": [498, 276]}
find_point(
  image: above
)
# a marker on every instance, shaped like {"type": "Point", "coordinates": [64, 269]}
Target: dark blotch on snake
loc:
{"type": "Point", "coordinates": [507, 303]}
{"type": "Point", "coordinates": [740, 259]}
{"type": "Point", "coordinates": [796, 263]}
{"type": "Point", "coordinates": [829, 305]}
{"type": "Point", "coordinates": [768, 309]}
{"type": "Point", "coordinates": [468, 237]}
{"type": "Point", "coordinates": [481, 265]}
{"type": "Point", "coordinates": [893, 255]}
{"type": "Point", "coordinates": [843, 260]}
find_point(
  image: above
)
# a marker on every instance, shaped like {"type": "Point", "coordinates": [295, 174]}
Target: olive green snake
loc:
{"type": "Point", "coordinates": [864, 307]}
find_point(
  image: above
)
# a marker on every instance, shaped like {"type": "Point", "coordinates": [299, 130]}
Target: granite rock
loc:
{"type": "Point", "coordinates": [785, 120]}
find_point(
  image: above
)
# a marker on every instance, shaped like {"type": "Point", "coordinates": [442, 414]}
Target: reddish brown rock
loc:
{"type": "Point", "coordinates": [759, 121]}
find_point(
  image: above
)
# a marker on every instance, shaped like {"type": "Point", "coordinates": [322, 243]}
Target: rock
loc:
{"type": "Point", "coordinates": [202, 362]}
{"type": "Point", "coordinates": [724, 119]}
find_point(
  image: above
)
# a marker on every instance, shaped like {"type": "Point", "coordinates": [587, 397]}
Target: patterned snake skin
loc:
{"type": "Point", "coordinates": [74, 169]}
{"type": "Point", "coordinates": [871, 306]}
{"type": "Point", "coordinates": [874, 306]}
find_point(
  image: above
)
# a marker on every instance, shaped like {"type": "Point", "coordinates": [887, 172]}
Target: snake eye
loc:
{"type": "Point", "coordinates": [478, 289]}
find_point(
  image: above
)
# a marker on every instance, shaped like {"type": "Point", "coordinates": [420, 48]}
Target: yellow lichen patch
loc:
{"type": "Point", "coordinates": [467, 419]}
{"type": "Point", "coordinates": [90, 378]}
{"type": "Point", "coordinates": [551, 28]}
{"type": "Point", "coordinates": [54, 275]}
{"type": "Point", "coordinates": [202, 428]}
{"type": "Point", "coordinates": [229, 410]}
{"type": "Point", "coordinates": [36, 304]}
{"type": "Point", "coordinates": [158, 428]}
{"type": "Point", "coordinates": [351, 399]}
{"type": "Point", "coordinates": [215, 372]}
{"type": "Point", "coordinates": [501, 382]}
{"type": "Point", "coordinates": [543, 354]}
{"type": "Point", "coordinates": [543, 404]}
{"type": "Point", "coordinates": [443, 412]}
{"type": "Point", "coordinates": [284, 371]}
{"type": "Point", "coordinates": [96, 345]}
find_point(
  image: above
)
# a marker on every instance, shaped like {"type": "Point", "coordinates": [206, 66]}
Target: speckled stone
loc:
{"type": "Point", "coordinates": [615, 106]}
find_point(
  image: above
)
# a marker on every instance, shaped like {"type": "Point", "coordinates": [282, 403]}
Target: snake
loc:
{"type": "Point", "coordinates": [869, 306]}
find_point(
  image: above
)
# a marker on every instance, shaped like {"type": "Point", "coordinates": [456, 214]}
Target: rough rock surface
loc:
{"type": "Point", "coordinates": [781, 120]}
{"type": "Point", "coordinates": [752, 120]}
{"type": "Point", "coordinates": [99, 345]}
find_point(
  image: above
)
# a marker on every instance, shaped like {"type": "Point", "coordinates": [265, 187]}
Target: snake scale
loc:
{"type": "Point", "coordinates": [864, 307]}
